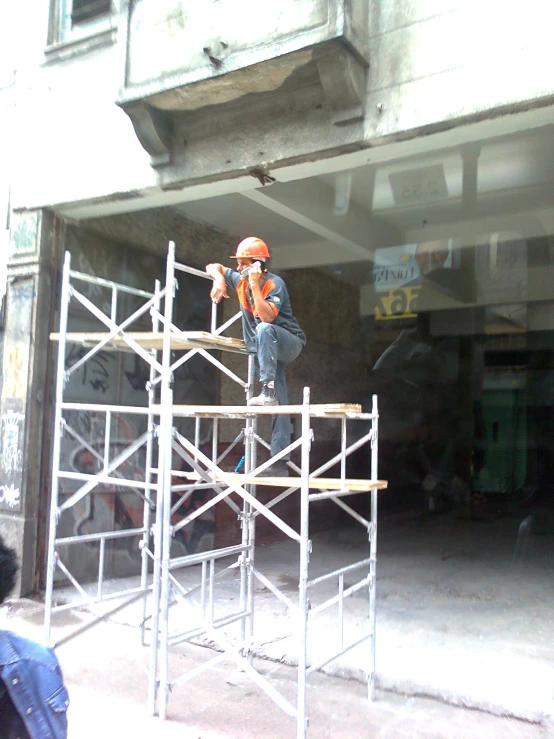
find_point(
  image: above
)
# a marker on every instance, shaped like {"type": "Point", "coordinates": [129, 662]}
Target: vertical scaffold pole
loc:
{"type": "Point", "coordinates": [147, 514]}
{"type": "Point", "coordinates": [58, 432]}
{"type": "Point", "coordinates": [249, 521]}
{"type": "Point", "coordinates": [373, 548]}
{"type": "Point", "coordinates": [305, 544]}
{"type": "Point", "coordinates": [165, 451]}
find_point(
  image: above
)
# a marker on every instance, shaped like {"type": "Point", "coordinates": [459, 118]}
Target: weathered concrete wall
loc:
{"type": "Point", "coordinates": [432, 63]}
{"type": "Point", "coordinates": [438, 61]}
{"type": "Point", "coordinates": [196, 244]}
{"type": "Point", "coordinates": [27, 381]}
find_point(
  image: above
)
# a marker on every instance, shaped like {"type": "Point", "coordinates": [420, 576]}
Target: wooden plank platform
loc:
{"type": "Point", "coordinates": [149, 340]}
{"type": "Point", "coordinates": [315, 483]}
{"type": "Point", "coordinates": [321, 410]}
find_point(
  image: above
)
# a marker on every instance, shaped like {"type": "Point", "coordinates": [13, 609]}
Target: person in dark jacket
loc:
{"type": "Point", "coordinates": [33, 697]}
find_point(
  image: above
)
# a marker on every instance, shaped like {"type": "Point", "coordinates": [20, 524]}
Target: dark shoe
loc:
{"type": "Point", "coordinates": [266, 397]}
{"type": "Point", "coordinates": [277, 469]}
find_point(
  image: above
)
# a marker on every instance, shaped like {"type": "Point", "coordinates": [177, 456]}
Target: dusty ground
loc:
{"type": "Point", "coordinates": [458, 620]}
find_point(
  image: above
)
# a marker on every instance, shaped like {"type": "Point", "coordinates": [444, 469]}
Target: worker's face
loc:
{"type": "Point", "coordinates": [242, 264]}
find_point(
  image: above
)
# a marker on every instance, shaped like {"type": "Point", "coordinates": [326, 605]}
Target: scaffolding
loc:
{"type": "Point", "coordinates": [164, 489]}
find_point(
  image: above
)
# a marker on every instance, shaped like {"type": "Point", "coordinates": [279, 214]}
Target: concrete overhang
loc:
{"type": "Point", "coordinates": [183, 57]}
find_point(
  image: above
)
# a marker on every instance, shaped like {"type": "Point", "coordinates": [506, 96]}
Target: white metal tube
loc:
{"type": "Point", "coordinates": [60, 383]}
{"type": "Point", "coordinates": [192, 352]}
{"type": "Point", "coordinates": [165, 447]}
{"type": "Point", "coordinates": [101, 567]}
{"type": "Point", "coordinates": [82, 277]}
{"type": "Point", "coordinates": [341, 610]}
{"type": "Point", "coordinates": [373, 548]}
{"type": "Point", "coordinates": [304, 568]}
{"type": "Point", "coordinates": [147, 510]}
{"type": "Point", "coordinates": [115, 329]}
{"type": "Point", "coordinates": [343, 451]}
{"type": "Point", "coordinates": [107, 441]}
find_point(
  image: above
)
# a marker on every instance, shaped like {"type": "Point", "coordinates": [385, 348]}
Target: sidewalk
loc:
{"type": "Point", "coordinates": [105, 674]}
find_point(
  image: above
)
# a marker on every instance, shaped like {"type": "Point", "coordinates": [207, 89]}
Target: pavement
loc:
{"type": "Point", "coordinates": [465, 645]}
{"type": "Point", "coordinates": [104, 670]}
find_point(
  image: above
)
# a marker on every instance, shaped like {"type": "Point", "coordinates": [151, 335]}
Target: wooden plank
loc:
{"type": "Point", "coordinates": [149, 340]}
{"type": "Point", "coordinates": [316, 410]}
{"type": "Point", "coordinates": [316, 483]}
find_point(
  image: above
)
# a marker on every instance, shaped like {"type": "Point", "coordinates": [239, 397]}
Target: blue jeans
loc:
{"type": "Point", "coordinates": [277, 347]}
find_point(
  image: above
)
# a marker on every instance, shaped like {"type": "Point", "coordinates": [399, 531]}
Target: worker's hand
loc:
{"type": "Point", "coordinates": [255, 275]}
{"type": "Point", "coordinates": [219, 290]}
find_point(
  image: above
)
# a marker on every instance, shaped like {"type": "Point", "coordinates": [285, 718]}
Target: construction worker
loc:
{"type": "Point", "coordinates": [270, 330]}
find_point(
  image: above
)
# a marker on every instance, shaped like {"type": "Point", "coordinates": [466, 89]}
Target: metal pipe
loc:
{"type": "Point", "coordinates": [82, 538]}
{"type": "Point", "coordinates": [148, 475]}
{"type": "Point", "coordinates": [82, 277]}
{"type": "Point", "coordinates": [341, 571]}
{"type": "Point", "coordinates": [323, 663]}
{"type": "Point", "coordinates": [305, 545]}
{"type": "Point", "coordinates": [274, 589]}
{"type": "Point", "coordinates": [234, 487]}
{"type": "Point", "coordinates": [220, 366]}
{"type": "Point", "coordinates": [115, 329]}
{"type": "Point", "coordinates": [343, 452]}
{"type": "Point", "coordinates": [346, 594]}
{"type": "Point", "coordinates": [96, 479]}
{"type": "Point", "coordinates": [192, 352]}
{"type": "Point", "coordinates": [137, 348]}
{"type": "Point", "coordinates": [203, 590]}
{"type": "Point", "coordinates": [213, 554]}
{"type": "Point", "coordinates": [192, 271]}
{"type": "Point", "coordinates": [373, 549]}
{"type": "Point", "coordinates": [165, 447]}
{"type": "Point", "coordinates": [352, 448]}
{"type": "Point", "coordinates": [219, 623]}
{"type": "Point", "coordinates": [351, 512]}
{"type": "Point", "coordinates": [197, 435]}
{"type": "Point", "coordinates": [341, 610]}
{"type": "Point", "coordinates": [211, 590]}
{"type": "Point", "coordinates": [107, 440]}
{"type": "Point", "coordinates": [138, 410]}
{"type": "Point", "coordinates": [101, 567]}
{"type": "Point", "coordinates": [56, 453]}
{"type": "Point", "coordinates": [103, 617]}
{"type": "Point", "coordinates": [94, 601]}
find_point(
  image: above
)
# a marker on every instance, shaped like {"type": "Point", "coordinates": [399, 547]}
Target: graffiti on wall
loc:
{"type": "Point", "coordinates": [11, 452]}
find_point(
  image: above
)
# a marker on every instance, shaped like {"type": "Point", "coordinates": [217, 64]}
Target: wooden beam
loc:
{"type": "Point", "coordinates": [148, 340]}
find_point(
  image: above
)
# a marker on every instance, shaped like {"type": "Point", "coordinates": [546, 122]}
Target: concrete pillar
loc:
{"type": "Point", "coordinates": [27, 380]}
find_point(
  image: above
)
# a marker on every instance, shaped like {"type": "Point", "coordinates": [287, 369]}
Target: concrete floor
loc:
{"type": "Point", "coordinates": [104, 673]}
{"type": "Point", "coordinates": [458, 620]}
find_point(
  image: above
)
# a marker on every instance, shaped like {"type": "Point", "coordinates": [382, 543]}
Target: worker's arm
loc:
{"type": "Point", "coordinates": [264, 309]}
{"type": "Point", "coordinates": [219, 289]}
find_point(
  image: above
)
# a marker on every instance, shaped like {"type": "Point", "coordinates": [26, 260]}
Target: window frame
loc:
{"type": "Point", "coordinates": [64, 36]}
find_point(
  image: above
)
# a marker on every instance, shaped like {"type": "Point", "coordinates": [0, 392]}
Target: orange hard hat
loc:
{"type": "Point", "coordinates": [252, 248]}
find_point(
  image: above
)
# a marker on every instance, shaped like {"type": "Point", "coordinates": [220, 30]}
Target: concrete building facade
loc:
{"type": "Point", "coordinates": [132, 123]}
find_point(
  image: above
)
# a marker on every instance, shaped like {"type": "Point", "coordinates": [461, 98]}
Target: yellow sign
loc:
{"type": "Point", "coordinates": [398, 303]}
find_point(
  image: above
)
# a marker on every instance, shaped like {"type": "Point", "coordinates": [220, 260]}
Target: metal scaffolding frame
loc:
{"type": "Point", "coordinates": [233, 633]}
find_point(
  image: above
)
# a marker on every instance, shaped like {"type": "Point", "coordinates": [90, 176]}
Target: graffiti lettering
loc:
{"type": "Point", "coordinates": [10, 496]}
{"type": "Point", "coordinates": [11, 452]}
{"type": "Point", "coordinates": [15, 379]}
{"type": "Point", "coordinates": [95, 372]}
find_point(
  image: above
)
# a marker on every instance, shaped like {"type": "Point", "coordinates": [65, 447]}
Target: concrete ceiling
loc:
{"type": "Point", "coordinates": [342, 217]}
